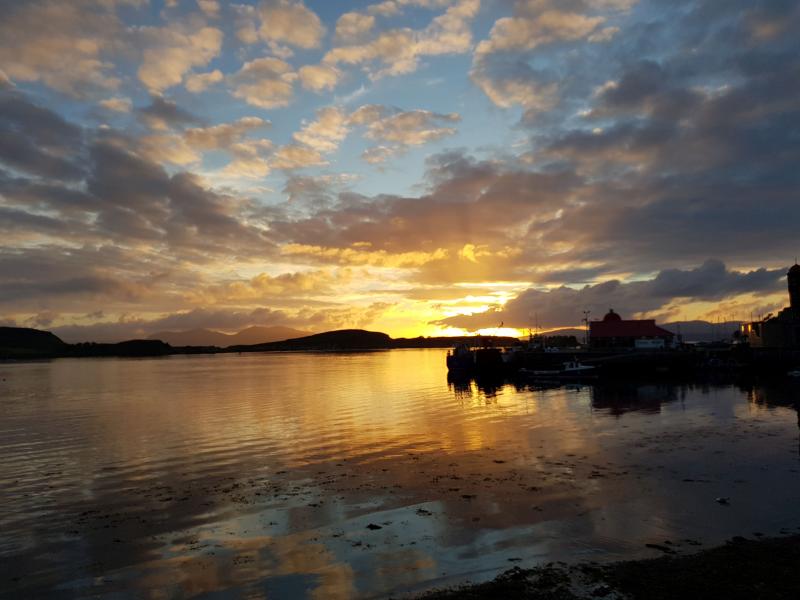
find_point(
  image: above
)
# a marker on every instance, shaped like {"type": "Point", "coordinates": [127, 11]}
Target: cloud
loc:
{"type": "Point", "coordinates": [651, 138]}
{"type": "Point", "coordinates": [87, 287]}
{"type": "Point", "coordinates": [400, 129]}
{"type": "Point", "coordinates": [564, 306]}
{"type": "Point", "coordinates": [514, 83]}
{"type": "Point", "coordinates": [388, 8]}
{"type": "Point", "coordinates": [199, 82]}
{"type": "Point", "coordinates": [168, 148]}
{"type": "Point", "coordinates": [187, 146]}
{"type": "Point", "coordinates": [128, 327]}
{"type": "Point", "coordinates": [209, 7]}
{"type": "Point", "coordinates": [224, 135]}
{"type": "Point", "coordinates": [391, 8]}
{"type": "Point", "coordinates": [118, 195]}
{"type": "Point", "coordinates": [521, 33]}
{"type": "Point", "coordinates": [377, 155]}
{"type": "Point", "coordinates": [249, 159]}
{"type": "Point", "coordinates": [501, 65]}
{"type": "Point", "coordinates": [398, 51]}
{"type": "Point", "coordinates": [290, 22]}
{"type": "Point", "coordinates": [470, 202]}
{"type": "Point", "coordinates": [295, 156]}
{"type": "Point", "coordinates": [319, 78]}
{"type": "Point", "coordinates": [64, 45]}
{"type": "Point", "coordinates": [117, 104]}
{"type": "Point", "coordinates": [353, 26]}
{"type": "Point", "coordinates": [264, 82]}
{"type": "Point", "coordinates": [170, 52]}
{"type": "Point", "coordinates": [315, 191]}
{"type": "Point", "coordinates": [36, 140]}
{"type": "Point", "coordinates": [263, 287]}
{"type": "Point", "coordinates": [326, 132]}
{"type": "Point", "coordinates": [408, 128]}
{"type": "Point", "coordinates": [245, 23]}
{"type": "Point", "coordinates": [163, 114]}
{"type": "Point", "coordinates": [227, 319]}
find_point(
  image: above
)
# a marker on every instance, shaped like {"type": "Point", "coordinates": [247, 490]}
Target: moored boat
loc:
{"type": "Point", "coordinates": [573, 369]}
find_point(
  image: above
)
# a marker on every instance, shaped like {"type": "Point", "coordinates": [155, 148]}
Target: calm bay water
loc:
{"type": "Point", "coordinates": [363, 475]}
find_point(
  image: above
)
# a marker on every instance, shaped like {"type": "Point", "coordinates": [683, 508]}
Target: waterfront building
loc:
{"type": "Point", "coordinates": [615, 332]}
{"type": "Point", "coordinates": [783, 329]}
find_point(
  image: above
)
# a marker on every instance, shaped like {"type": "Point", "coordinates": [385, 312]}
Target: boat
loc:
{"type": "Point", "coordinates": [461, 358]}
{"type": "Point", "coordinates": [572, 369]}
{"type": "Point", "coordinates": [575, 366]}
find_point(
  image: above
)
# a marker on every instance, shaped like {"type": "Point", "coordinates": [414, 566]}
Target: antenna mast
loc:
{"type": "Point", "coordinates": [586, 314]}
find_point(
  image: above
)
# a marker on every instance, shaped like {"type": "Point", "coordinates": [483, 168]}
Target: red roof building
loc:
{"type": "Point", "coordinates": [615, 332]}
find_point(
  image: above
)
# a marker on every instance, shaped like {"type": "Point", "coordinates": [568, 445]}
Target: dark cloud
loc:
{"type": "Point", "coordinates": [37, 195]}
{"type": "Point", "coordinates": [63, 278]}
{"type": "Point", "coordinates": [86, 287]}
{"type": "Point", "coordinates": [564, 306]}
{"type": "Point", "coordinates": [162, 113]}
{"type": "Point", "coordinates": [36, 140]}
{"type": "Point", "coordinates": [471, 202]}
{"type": "Point", "coordinates": [12, 219]}
{"type": "Point", "coordinates": [653, 148]}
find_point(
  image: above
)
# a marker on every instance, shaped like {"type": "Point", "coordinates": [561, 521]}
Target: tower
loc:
{"type": "Point", "coordinates": [793, 277]}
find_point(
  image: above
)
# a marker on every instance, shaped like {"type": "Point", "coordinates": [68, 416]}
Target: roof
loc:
{"type": "Point", "coordinates": [628, 329]}
{"type": "Point", "coordinates": [794, 270]}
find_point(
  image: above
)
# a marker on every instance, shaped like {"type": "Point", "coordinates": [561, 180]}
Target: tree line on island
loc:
{"type": "Point", "coordinates": [21, 343]}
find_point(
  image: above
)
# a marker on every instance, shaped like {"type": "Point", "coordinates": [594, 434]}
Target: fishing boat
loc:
{"type": "Point", "coordinates": [461, 358]}
{"type": "Point", "coordinates": [572, 369]}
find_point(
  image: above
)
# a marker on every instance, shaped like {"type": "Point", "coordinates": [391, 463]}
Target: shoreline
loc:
{"type": "Point", "coordinates": [745, 568]}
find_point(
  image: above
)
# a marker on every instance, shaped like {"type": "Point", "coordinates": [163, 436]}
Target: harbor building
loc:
{"type": "Point", "coordinates": [783, 329]}
{"type": "Point", "coordinates": [615, 332]}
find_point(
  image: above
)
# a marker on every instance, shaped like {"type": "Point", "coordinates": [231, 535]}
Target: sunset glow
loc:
{"type": "Point", "coordinates": [419, 167]}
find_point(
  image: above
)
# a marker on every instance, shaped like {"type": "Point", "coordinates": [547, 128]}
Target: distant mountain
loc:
{"type": "Point", "coordinates": [579, 333]}
{"type": "Point", "coordinates": [343, 339]}
{"type": "Point", "coordinates": [690, 331]}
{"type": "Point", "coordinates": [209, 337]}
{"type": "Point", "coordinates": [702, 331]}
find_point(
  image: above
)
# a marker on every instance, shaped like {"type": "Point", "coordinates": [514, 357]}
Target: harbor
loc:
{"type": "Point", "coordinates": [639, 349]}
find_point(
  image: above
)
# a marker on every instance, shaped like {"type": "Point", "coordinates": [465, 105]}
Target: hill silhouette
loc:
{"type": "Point", "coordinates": [16, 342]}
{"type": "Point", "coordinates": [209, 337]}
{"type": "Point", "coordinates": [343, 339]}
{"type": "Point", "coordinates": [23, 341]}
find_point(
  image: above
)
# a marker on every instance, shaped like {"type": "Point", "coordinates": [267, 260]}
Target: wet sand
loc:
{"type": "Point", "coordinates": [742, 568]}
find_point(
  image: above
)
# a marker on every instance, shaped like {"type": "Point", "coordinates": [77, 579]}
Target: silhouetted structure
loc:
{"type": "Point", "coordinates": [782, 330]}
{"type": "Point", "coordinates": [615, 332]}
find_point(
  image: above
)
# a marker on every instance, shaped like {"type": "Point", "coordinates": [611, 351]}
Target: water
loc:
{"type": "Point", "coordinates": [259, 475]}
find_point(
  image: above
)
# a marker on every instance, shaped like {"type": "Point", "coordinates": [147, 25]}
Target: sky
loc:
{"type": "Point", "coordinates": [419, 167]}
